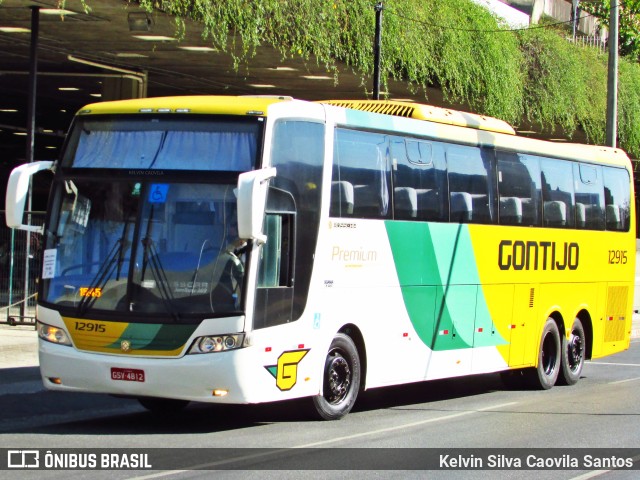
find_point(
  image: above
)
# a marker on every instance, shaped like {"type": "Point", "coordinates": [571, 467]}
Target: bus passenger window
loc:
{"type": "Point", "coordinates": [518, 189]}
{"type": "Point", "coordinates": [360, 183]}
{"type": "Point", "coordinates": [617, 198]}
{"type": "Point", "coordinates": [419, 180]}
{"type": "Point", "coordinates": [589, 192]}
{"type": "Point", "coordinates": [470, 184]}
{"type": "Point", "coordinates": [557, 193]}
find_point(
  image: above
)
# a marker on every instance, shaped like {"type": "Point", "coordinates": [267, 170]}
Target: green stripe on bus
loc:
{"type": "Point", "coordinates": [155, 336]}
{"type": "Point", "coordinates": [439, 280]}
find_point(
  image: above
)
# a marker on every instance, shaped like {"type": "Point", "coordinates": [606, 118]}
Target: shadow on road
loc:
{"type": "Point", "coordinates": [61, 413]}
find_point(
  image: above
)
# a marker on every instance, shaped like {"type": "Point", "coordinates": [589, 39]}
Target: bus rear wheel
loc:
{"type": "Point", "coordinates": [544, 376]}
{"type": "Point", "coordinates": [573, 349]}
{"type": "Point", "coordinates": [341, 379]}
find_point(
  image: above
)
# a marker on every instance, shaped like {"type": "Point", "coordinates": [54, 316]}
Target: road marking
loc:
{"type": "Point", "coordinates": [407, 425]}
{"type": "Point", "coordinates": [616, 364]}
{"type": "Point", "coordinates": [324, 442]}
{"type": "Point", "coordinates": [597, 473]}
{"type": "Point", "coordinates": [625, 381]}
{"type": "Point", "coordinates": [594, 473]}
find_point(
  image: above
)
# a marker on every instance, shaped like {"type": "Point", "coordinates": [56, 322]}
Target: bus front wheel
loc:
{"type": "Point", "coordinates": [573, 349]}
{"type": "Point", "coordinates": [544, 376]}
{"type": "Point", "coordinates": [340, 381]}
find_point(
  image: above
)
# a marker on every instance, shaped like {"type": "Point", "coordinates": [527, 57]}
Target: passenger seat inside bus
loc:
{"type": "Point", "coordinates": [581, 215]}
{"type": "Point", "coordinates": [555, 213]}
{"type": "Point", "coordinates": [461, 207]}
{"type": "Point", "coordinates": [341, 199]}
{"type": "Point", "coordinates": [510, 211]}
{"type": "Point", "coordinates": [405, 203]}
{"type": "Point", "coordinates": [613, 217]}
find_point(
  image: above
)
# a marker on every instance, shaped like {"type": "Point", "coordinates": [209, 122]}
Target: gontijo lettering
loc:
{"type": "Point", "coordinates": [532, 255]}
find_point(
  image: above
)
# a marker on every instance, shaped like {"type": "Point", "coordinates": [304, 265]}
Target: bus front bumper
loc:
{"type": "Point", "coordinates": [235, 376]}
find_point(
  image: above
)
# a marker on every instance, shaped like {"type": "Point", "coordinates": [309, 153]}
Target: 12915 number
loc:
{"type": "Point", "coordinates": [617, 257]}
{"type": "Point", "coordinates": [91, 327]}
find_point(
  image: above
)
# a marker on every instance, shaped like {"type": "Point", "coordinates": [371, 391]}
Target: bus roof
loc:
{"type": "Point", "coordinates": [480, 129]}
{"type": "Point", "coordinates": [198, 104]}
{"type": "Point", "coordinates": [257, 105]}
{"type": "Point", "coordinates": [427, 112]}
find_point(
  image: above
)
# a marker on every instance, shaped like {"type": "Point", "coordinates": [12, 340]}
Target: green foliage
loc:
{"type": "Point", "coordinates": [629, 107]}
{"type": "Point", "coordinates": [472, 63]}
{"type": "Point", "coordinates": [566, 86]}
{"type": "Point", "coordinates": [455, 45]}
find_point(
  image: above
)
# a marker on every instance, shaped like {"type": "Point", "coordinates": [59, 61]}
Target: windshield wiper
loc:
{"type": "Point", "coordinates": [115, 258]}
{"type": "Point", "coordinates": [150, 257]}
{"type": "Point", "coordinates": [159, 276]}
{"type": "Point", "coordinates": [102, 276]}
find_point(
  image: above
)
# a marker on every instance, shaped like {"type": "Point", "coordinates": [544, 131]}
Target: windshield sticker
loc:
{"type": "Point", "coordinates": [158, 193]}
{"type": "Point", "coordinates": [91, 292]}
{"type": "Point", "coordinates": [49, 263]}
{"type": "Point", "coordinates": [286, 370]}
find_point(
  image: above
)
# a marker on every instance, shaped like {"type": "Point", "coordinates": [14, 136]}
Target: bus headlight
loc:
{"type": "Point", "coordinates": [53, 334]}
{"type": "Point", "coordinates": [217, 343]}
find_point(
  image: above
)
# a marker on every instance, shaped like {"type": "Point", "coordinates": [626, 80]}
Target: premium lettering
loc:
{"type": "Point", "coordinates": [355, 255]}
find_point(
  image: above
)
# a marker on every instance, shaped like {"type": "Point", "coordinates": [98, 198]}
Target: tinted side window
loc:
{"type": "Point", "coordinates": [557, 193]}
{"type": "Point", "coordinates": [360, 181]}
{"type": "Point", "coordinates": [419, 180]}
{"type": "Point", "coordinates": [589, 194]}
{"type": "Point", "coordinates": [519, 189]}
{"type": "Point", "coordinates": [617, 196]}
{"type": "Point", "coordinates": [298, 154]}
{"type": "Point", "coordinates": [470, 184]}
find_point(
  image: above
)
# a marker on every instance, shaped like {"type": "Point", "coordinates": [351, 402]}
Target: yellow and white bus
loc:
{"type": "Point", "coordinates": [255, 249]}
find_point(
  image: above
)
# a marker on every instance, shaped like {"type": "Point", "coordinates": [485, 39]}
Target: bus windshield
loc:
{"type": "Point", "coordinates": [131, 230]}
{"type": "Point", "coordinates": [146, 143]}
{"type": "Point", "coordinates": [144, 248]}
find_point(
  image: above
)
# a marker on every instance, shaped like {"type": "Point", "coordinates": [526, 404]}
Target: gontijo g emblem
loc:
{"type": "Point", "coordinates": [286, 371]}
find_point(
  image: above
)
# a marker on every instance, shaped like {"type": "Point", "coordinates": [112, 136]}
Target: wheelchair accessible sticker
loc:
{"type": "Point", "coordinates": [158, 193]}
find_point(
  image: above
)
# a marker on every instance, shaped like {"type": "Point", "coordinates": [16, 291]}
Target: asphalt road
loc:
{"type": "Point", "coordinates": [601, 411]}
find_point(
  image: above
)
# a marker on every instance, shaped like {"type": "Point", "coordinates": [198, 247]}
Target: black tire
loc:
{"type": "Point", "coordinates": [341, 379]}
{"type": "Point", "coordinates": [573, 351]}
{"type": "Point", "coordinates": [544, 376]}
{"type": "Point", "coordinates": [163, 406]}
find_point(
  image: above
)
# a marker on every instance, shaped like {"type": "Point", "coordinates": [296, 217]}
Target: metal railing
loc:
{"type": "Point", "coordinates": [593, 41]}
{"type": "Point", "coordinates": [20, 267]}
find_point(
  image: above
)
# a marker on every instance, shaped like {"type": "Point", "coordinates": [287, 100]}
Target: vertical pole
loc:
{"type": "Point", "coordinates": [11, 256]}
{"type": "Point", "coordinates": [31, 131]}
{"type": "Point", "coordinates": [575, 18]}
{"type": "Point", "coordinates": [612, 77]}
{"type": "Point", "coordinates": [377, 46]}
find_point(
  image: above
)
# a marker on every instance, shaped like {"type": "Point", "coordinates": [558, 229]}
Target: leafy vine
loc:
{"type": "Point", "coordinates": [532, 75]}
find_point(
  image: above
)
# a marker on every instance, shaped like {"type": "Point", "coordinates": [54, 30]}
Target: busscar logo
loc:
{"type": "Point", "coordinates": [286, 370]}
{"type": "Point", "coordinates": [23, 459]}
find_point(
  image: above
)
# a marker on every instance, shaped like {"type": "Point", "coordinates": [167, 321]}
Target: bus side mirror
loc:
{"type": "Point", "coordinates": [17, 190]}
{"type": "Point", "coordinates": [252, 198]}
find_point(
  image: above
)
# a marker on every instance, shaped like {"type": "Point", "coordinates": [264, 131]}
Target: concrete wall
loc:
{"type": "Point", "coordinates": [559, 10]}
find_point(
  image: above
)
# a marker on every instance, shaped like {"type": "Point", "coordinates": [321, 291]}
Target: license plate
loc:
{"type": "Point", "coordinates": [127, 374]}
